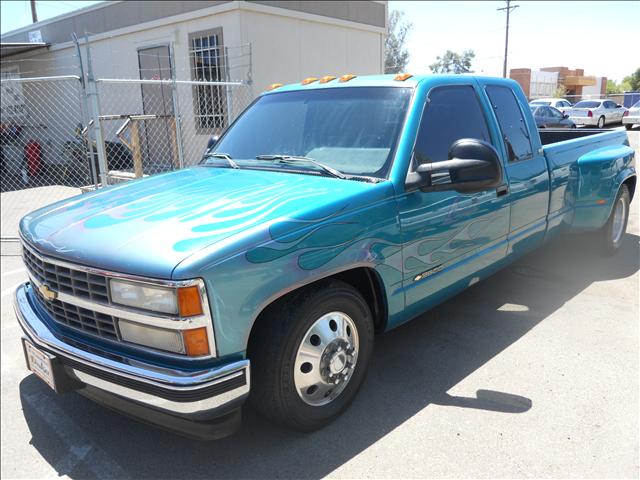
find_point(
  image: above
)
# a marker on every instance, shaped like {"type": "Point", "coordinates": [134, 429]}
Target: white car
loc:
{"type": "Point", "coordinates": [559, 103]}
{"type": "Point", "coordinates": [632, 116]}
{"type": "Point", "coordinates": [596, 113]}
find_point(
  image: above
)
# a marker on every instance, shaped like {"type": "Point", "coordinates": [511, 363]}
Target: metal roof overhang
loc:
{"type": "Point", "coordinates": [8, 49]}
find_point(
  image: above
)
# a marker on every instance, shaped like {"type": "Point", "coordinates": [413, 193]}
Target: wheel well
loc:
{"type": "Point", "coordinates": [365, 280]}
{"type": "Point", "coordinates": [631, 185]}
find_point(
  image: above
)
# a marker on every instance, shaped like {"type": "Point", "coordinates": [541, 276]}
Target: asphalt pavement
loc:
{"type": "Point", "coordinates": [531, 373]}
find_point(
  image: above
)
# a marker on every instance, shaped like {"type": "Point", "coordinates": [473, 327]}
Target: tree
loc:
{"type": "Point", "coordinates": [633, 80]}
{"type": "Point", "coordinates": [613, 87]}
{"type": "Point", "coordinates": [452, 62]}
{"type": "Point", "coordinates": [396, 55]}
{"type": "Point", "coordinates": [560, 91]}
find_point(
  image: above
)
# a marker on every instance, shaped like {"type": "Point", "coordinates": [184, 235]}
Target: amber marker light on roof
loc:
{"type": "Point", "coordinates": [309, 80]}
{"type": "Point", "coordinates": [347, 77]}
{"type": "Point", "coordinates": [327, 78]}
{"type": "Point", "coordinates": [273, 86]}
{"type": "Point", "coordinates": [401, 77]}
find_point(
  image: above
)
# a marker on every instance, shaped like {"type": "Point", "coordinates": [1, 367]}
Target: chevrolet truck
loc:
{"type": "Point", "coordinates": [329, 211]}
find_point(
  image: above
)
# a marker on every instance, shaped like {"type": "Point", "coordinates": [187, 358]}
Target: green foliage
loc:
{"type": "Point", "coordinates": [613, 87]}
{"type": "Point", "coordinates": [632, 80]}
{"type": "Point", "coordinates": [396, 55]}
{"type": "Point", "coordinates": [559, 92]}
{"type": "Point", "coordinates": [452, 62]}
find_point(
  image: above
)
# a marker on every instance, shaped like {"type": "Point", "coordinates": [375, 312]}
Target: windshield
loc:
{"type": "Point", "coordinates": [353, 130]}
{"type": "Point", "coordinates": [587, 105]}
{"type": "Point", "coordinates": [540, 103]}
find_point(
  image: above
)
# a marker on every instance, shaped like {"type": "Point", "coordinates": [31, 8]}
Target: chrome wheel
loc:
{"type": "Point", "coordinates": [326, 359]}
{"type": "Point", "coordinates": [619, 215]}
{"type": "Point", "coordinates": [601, 122]}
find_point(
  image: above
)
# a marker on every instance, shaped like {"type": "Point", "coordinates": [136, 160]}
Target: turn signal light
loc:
{"type": "Point", "coordinates": [327, 78]}
{"type": "Point", "coordinates": [401, 77]}
{"type": "Point", "coordinates": [189, 303]}
{"type": "Point", "coordinates": [273, 86]}
{"type": "Point", "coordinates": [309, 80]}
{"type": "Point", "coordinates": [196, 342]}
{"type": "Point", "coordinates": [347, 77]}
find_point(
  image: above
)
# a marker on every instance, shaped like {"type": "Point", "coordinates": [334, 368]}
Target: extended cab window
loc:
{"type": "Point", "coordinates": [511, 120]}
{"type": "Point", "coordinates": [452, 113]}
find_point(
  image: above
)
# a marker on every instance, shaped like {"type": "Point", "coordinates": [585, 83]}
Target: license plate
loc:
{"type": "Point", "coordinates": [40, 364]}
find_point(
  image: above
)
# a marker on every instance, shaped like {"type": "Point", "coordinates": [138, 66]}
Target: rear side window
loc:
{"type": "Point", "coordinates": [452, 113]}
{"type": "Point", "coordinates": [511, 120]}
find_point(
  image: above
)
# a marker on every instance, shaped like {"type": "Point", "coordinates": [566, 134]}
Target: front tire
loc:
{"type": "Point", "coordinates": [309, 355]}
{"type": "Point", "coordinates": [613, 231]}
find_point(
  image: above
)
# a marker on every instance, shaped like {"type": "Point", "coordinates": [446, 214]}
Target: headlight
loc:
{"type": "Point", "coordinates": [182, 301]}
{"type": "Point", "coordinates": [145, 296]}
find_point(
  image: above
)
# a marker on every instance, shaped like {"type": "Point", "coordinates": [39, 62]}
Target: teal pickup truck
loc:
{"type": "Point", "coordinates": [331, 210]}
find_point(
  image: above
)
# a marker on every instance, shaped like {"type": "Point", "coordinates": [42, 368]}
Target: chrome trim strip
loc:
{"type": "Point", "coordinates": [137, 315]}
{"type": "Point", "coordinates": [168, 378]}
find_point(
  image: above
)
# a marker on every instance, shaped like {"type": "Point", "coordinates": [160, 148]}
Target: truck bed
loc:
{"type": "Point", "coordinates": [555, 135]}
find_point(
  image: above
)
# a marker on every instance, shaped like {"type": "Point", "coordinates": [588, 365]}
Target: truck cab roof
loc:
{"type": "Point", "coordinates": [386, 80]}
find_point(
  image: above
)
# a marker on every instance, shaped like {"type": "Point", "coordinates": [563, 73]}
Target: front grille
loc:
{"type": "Point", "coordinates": [74, 282]}
{"type": "Point", "coordinates": [61, 279]}
{"type": "Point", "coordinates": [80, 318]}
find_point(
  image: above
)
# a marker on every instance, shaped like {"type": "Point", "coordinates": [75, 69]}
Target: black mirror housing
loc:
{"type": "Point", "coordinates": [212, 141]}
{"type": "Point", "coordinates": [473, 166]}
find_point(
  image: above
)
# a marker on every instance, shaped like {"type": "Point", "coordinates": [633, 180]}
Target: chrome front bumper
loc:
{"type": "Point", "coordinates": [192, 395]}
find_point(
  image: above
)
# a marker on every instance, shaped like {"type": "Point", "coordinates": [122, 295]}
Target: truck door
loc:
{"type": "Point", "coordinates": [527, 171]}
{"type": "Point", "coordinates": [449, 236]}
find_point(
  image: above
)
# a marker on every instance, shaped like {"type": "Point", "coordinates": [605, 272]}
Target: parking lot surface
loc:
{"type": "Point", "coordinates": [531, 373]}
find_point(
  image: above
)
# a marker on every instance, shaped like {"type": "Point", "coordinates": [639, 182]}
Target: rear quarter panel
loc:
{"type": "Point", "coordinates": [586, 174]}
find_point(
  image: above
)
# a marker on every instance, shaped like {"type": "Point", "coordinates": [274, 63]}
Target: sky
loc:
{"type": "Point", "coordinates": [595, 36]}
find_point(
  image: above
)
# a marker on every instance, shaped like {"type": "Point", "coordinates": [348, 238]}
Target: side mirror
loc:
{"type": "Point", "coordinates": [473, 166]}
{"type": "Point", "coordinates": [618, 106]}
{"type": "Point", "coordinates": [565, 115]}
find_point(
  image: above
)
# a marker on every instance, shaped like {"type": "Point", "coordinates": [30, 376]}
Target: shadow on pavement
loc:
{"type": "Point", "coordinates": [413, 366]}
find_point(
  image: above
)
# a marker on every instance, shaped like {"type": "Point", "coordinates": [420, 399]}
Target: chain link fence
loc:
{"type": "Point", "coordinates": [51, 148]}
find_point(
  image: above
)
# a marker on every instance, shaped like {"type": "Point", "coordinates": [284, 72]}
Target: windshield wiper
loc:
{"type": "Point", "coordinates": [224, 156]}
{"type": "Point", "coordinates": [294, 158]}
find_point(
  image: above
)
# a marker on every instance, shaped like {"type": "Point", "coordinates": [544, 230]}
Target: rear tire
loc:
{"type": "Point", "coordinates": [601, 122]}
{"type": "Point", "coordinates": [612, 233]}
{"type": "Point", "coordinates": [300, 357]}
{"type": "Point", "coordinates": [628, 126]}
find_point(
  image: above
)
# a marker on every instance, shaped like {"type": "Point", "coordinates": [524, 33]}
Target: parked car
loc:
{"type": "Point", "coordinates": [327, 212]}
{"type": "Point", "coordinates": [549, 117]}
{"type": "Point", "coordinates": [596, 113]}
{"type": "Point", "coordinates": [632, 116]}
{"type": "Point", "coordinates": [559, 103]}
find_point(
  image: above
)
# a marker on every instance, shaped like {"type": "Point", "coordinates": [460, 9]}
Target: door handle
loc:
{"type": "Point", "coordinates": [502, 190]}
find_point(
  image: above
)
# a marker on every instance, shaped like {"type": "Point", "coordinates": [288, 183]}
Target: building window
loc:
{"type": "Point", "coordinates": [206, 52]}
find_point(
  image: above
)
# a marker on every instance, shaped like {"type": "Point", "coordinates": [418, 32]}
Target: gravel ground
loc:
{"type": "Point", "coordinates": [531, 373]}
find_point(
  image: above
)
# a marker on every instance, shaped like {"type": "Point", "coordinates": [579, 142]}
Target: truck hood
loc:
{"type": "Point", "coordinates": [148, 227]}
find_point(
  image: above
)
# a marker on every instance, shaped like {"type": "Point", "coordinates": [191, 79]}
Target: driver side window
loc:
{"type": "Point", "coordinates": [451, 113]}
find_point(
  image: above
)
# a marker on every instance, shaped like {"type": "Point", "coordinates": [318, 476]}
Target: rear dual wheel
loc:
{"type": "Point", "coordinates": [309, 355]}
{"type": "Point", "coordinates": [612, 233]}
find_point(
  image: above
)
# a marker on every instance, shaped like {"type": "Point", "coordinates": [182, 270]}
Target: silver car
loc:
{"type": "Point", "coordinates": [596, 113]}
{"type": "Point", "coordinates": [632, 116]}
{"type": "Point", "coordinates": [559, 103]}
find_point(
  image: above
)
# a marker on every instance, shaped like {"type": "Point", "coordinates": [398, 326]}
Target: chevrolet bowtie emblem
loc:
{"type": "Point", "coordinates": [47, 292]}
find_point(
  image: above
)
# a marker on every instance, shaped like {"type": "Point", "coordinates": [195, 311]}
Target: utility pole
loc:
{"type": "Point", "coordinates": [34, 14]}
{"type": "Point", "coordinates": [508, 9]}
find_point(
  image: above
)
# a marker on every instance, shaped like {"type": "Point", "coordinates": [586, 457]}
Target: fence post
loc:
{"type": "Point", "coordinates": [176, 109]}
{"type": "Point", "coordinates": [85, 111]}
{"type": "Point", "coordinates": [94, 100]}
